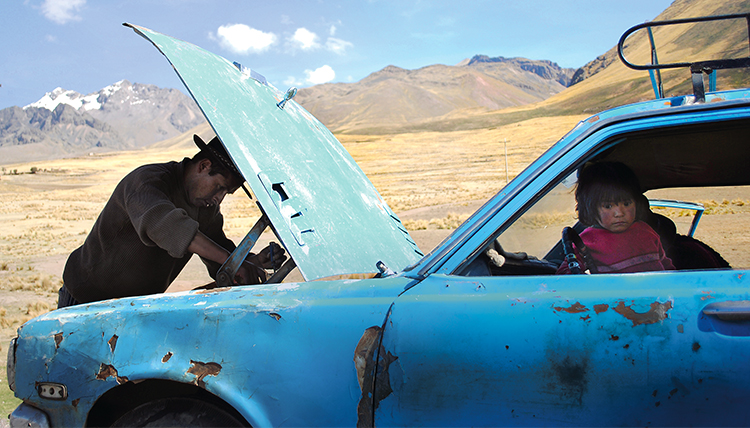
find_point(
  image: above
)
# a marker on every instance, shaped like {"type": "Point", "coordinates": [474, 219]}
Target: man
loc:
{"type": "Point", "coordinates": [158, 216]}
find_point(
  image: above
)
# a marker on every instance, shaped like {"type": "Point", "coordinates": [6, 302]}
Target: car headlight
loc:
{"type": "Point", "coordinates": [11, 365]}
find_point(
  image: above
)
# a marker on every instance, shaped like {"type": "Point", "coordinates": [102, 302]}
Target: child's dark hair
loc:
{"type": "Point", "coordinates": [606, 182]}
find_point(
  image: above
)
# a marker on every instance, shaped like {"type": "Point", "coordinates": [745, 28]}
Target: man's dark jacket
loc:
{"type": "Point", "coordinates": [139, 243]}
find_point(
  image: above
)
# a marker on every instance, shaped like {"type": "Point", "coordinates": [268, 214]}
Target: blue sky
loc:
{"type": "Point", "coordinates": [81, 45]}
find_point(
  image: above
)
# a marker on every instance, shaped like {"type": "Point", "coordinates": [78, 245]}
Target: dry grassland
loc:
{"type": "Point", "coordinates": [433, 180]}
{"type": "Point", "coordinates": [433, 168]}
{"type": "Point", "coordinates": [46, 215]}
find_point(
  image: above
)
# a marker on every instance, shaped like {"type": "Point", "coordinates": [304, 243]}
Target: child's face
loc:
{"type": "Point", "coordinates": [617, 216]}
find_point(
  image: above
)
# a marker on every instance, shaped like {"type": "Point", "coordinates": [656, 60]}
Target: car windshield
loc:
{"type": "Point", "coordinates": [539, 228]}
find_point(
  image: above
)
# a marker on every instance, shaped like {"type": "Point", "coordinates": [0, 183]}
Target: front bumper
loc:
{"type": "Point", "coordinates": [29, 417]}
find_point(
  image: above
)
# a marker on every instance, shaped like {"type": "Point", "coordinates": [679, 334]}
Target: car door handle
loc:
{"type": "Point", "coordinates": [729, 311]}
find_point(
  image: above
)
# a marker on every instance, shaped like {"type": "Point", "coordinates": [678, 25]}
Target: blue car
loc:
{"type": "Point", "coordinates": [479, 332]}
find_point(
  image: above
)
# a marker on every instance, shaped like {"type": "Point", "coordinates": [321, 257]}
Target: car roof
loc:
{"type": "Point", "coordinates": [328, 215]}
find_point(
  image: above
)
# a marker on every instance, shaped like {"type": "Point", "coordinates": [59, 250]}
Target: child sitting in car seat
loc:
{"type": "Point", "coordinates": [609, 201]}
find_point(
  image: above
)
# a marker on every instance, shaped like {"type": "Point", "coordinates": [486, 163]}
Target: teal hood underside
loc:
{"type": "Point", "coordinates": [329, 216]}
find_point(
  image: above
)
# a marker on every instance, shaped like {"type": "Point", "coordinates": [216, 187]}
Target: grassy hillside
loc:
{"type": "Point", "coordinates": [617, 85]}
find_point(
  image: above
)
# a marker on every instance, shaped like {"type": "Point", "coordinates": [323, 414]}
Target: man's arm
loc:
{"type": "Point", "coordinates": [203, 246]}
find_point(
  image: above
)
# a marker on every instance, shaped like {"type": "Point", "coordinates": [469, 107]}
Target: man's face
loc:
{"type": "Point", "coordinates": [206, 190]}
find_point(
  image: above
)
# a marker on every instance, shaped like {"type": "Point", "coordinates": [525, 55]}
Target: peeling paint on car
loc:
{"type": "Point", "coordinates": [201, 370]}
{"type": "Point", "coordinates": [365, 365]}
{"type": "Point", "coordinates": [112, 343]}
{"type": "Point", "coordinates": [364, 351]}
{"type": "Point", "coordinates": [543, 289]}
{"type": "Point", "coordinates": [166, 357]}
{"type": "Point", "coordinates": [575, 308]}
{"type": "Point", "coordinates": [657, 313]}
{"type": "Point", "coordinates": [600, 308]}
{"type": "Point", "coordinates": [288, 287]}
{"type": "Point", "coordinates": [58, 339]}
{"type": "Point", "coordinates": [371, 373]}
{"type": "Point", "coordinates": [106, 371]}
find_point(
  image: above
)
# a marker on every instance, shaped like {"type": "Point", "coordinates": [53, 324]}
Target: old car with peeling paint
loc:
{"type": "Point", "coordinates": [479, 332]}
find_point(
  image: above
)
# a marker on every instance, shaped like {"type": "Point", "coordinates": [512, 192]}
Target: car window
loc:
{"type": "Point", "coordinates": [531, 245]}
{"type": "Point", "coordinates": [724, 223]}
{"type": "Point", "coordinates": [540, 227]}
{"type": "Point", "coordinates": [701, 164]}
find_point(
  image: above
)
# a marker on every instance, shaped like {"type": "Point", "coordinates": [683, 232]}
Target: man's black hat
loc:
{"type": "Point", "coordinates": [217, 153]}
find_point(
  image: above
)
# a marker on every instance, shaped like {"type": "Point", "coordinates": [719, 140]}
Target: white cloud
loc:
{"type": "Point", "coordinates": [50, 38]}
{"type": "Point", "coordinates": [241, 39]}
{"type": "Point", "coordinates": [62, 11]}
{"type": "Point", "coordinates": [337, 45]}
{"type": "Point", "coordinates": [332, 31]}
{"type": "Point", "coordinates": [292, 81]}
{"type": "Point", "coordinates": [320, 75]}
{"type": "Point", "coordinates": [304, 39]}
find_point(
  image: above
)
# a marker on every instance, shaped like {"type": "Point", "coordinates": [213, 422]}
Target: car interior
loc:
{"type": "Point", "coordinates": [705, 162]}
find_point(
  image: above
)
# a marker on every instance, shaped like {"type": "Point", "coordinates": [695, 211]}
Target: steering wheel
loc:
{"type": "Point", "coordinates": [569, 238]}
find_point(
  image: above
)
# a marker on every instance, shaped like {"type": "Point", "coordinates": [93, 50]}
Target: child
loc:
{"type": "Point", "coordinates": [609, 200]}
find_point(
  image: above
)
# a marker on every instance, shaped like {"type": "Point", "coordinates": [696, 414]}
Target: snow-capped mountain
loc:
{"type": "Point", "coordinates": [118, 117]}
{"type": "Point", "coordinates": [50, 100]}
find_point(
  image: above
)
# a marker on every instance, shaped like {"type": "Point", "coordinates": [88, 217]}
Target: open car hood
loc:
{"type": "Point", "coordinates": [323, 208]}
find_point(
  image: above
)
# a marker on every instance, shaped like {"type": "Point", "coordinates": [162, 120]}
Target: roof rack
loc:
{"type": "Point", "coordinates": [697, 68]}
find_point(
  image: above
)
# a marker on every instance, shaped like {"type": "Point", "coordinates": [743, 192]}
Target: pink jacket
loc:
{"type": "Point", "coordinates": [637, 249]}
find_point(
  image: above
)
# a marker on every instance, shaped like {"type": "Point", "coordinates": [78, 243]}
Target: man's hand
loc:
{"type": "Point", "coordinates": [249, 274]}
{"type": "Point", "coordinates": [271, 257]}
{"type": "Point", "coordinates": [251, 271]}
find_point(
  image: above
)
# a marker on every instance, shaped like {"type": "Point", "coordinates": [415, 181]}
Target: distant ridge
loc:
{"type": "Point", "coordinates": [394, 97]}
{"type": "Point", "coordinates": [545, 69]}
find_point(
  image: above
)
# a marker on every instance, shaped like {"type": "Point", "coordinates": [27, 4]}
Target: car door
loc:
{"type": "Point", "coordinates": [630, 349]}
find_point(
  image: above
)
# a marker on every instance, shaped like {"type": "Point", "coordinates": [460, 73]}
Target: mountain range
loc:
{"type": "Point", "coordinates": [397, 96]}
{"type": "Point", "coordinates": [119, 117]}
{"type": "Point", "coordinates": [126, 116]}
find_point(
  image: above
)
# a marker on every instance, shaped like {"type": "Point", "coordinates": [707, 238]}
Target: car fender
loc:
{"type": "Point", "coordinates": [232, 342]}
